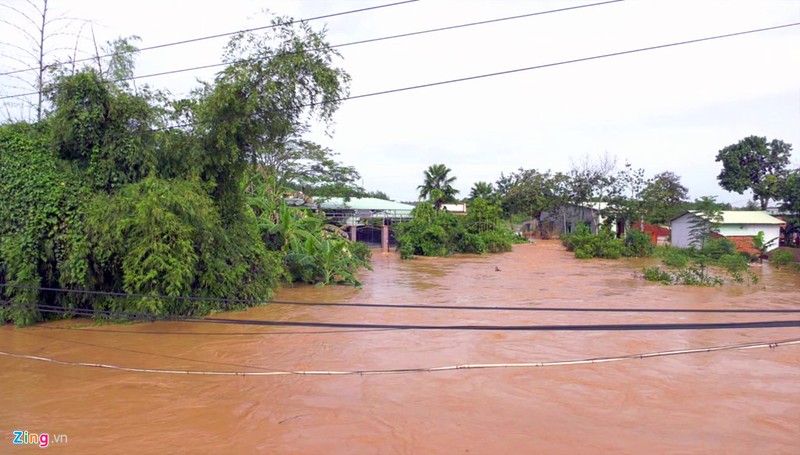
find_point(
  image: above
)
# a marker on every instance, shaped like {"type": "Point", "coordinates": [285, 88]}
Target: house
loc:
{"type": "Point", "coordinates": [738, 226]}
{"type": "Point", "coordinates": [456, 209]}
{"type": "Point", "coordinates": [564, 219]}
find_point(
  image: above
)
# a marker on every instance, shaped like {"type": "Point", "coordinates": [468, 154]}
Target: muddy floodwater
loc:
{"type": "Point", "coordinates": [536, 304]}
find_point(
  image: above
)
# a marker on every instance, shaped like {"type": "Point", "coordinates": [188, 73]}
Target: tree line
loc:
{"type": "Point", "coordinates": [754, 163]}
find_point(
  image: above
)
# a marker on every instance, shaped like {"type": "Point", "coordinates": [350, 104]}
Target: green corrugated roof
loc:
{"type": "Point", "coordinates": [746, 217]}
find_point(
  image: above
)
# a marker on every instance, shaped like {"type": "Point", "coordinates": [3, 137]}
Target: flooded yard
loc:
{"type": "Point", "coordinates": [536, 304]}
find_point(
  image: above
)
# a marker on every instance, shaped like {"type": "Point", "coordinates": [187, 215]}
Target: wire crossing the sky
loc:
{"type": "Point", "coordinates": [567, 62]}
{"type": "Point", "coordinates": [220, 35]}
{"type": "Point", "coordinates": [352, 43]}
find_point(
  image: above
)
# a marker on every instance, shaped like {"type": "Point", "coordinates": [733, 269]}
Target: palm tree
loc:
{"type": "Point", "coordinates": [438, 186]}
{"type": "Point", "coordinates": [481, 190]}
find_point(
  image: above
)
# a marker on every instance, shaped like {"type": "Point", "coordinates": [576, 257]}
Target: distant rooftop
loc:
{"type": "Point", "coordinates": [744, 217]}
{"type": "Point", "coordinates": [365, 204]}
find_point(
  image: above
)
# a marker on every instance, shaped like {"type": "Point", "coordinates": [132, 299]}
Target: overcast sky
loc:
{"type": "Point", "coordinates": [667, 109]}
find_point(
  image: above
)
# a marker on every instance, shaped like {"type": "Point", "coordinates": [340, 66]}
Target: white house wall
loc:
{"type": "Point", "coordinates": [681, 230]}
{"type": "Point", "coordinates": [771, 231]}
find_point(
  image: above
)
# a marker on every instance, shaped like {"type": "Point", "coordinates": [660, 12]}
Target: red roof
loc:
{"type": "Point", "coordinates": [661, 231]}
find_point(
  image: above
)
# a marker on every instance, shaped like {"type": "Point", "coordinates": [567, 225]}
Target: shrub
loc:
{"type": "Point", "coordinates": [436, 233]}
{"type": "Point", "coordinates": [676, 257]}
{"type": "Point", "coordinates": [655, 273]}
{"type": "Point", "coordinates": [781, 258]}
{"type": "Point", "coordinates": [471, 243]}
{"type": "Point", "coordinates": [716, 248]}
{"type": "Point", "coordinates": [638, 244]}
{"type": "Point", "coordinates": [587, 245]}
{"type": "Point", "coordinates": [166, 237]}
{"type": "Point", "coordinates": [736, 265]}
{"type": "Point", "coordinates": [496, 242]}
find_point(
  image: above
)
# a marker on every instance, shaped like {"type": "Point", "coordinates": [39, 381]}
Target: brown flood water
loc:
{"type": "Point", "coordinates": [745, 401]}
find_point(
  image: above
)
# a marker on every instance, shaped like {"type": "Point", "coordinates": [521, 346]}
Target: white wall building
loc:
{"type": "Point", "coordinates": [734, 223]}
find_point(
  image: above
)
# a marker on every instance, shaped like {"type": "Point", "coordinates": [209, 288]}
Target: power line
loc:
{"type": "Point", "coordinates": [529, 68]}
{"type": "Point", "coordinates": [352, 43]}
{"type": "Point", "coordinates": [453, 327]}
{"type": "Point", "coordinates": [389, 305]}
{"type": "Point", "coordinates": [469, 366]}
{"type": "Point", "coordinates": [203, 38]}
{"type": "Point", "coordinates": [567, 62]}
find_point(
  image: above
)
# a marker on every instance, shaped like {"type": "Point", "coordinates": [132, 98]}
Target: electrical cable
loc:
{"type": "Point", "coordinates": [456, 327]}
{"type": "Point", "coordinates": [352, 43]}
{"type": "Point", "coordinates": [519, 70]}
{"type": "Point", "coordinates": [220, 35]}
{"type": "Point", "coordinates": [468, 366]}
{"type": "Point", "coordinates": [389, 305]}
{"type": "Point", "coordinates": [567, 62]}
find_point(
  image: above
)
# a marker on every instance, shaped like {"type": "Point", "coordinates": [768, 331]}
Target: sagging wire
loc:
{"type": "Point", "coordinates": [469, 366]}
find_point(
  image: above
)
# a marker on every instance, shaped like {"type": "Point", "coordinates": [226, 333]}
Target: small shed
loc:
{"type": "Point", "coordinates": [564, 219]}
{"type": "Point", "coordinates": [739, 226]}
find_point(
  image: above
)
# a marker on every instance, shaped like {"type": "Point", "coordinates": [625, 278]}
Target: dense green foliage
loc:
{"type": "Point", "coordinates": [755, 164]}
{"type": "Point", "coordinates": [605, 244]}
{"type": "Point", "coordinates": [586, 245]}
{"type": "Point", "coordinates": [42, 241]}
{"type": "Point", "coordinates": [103, 195]}
{"type": "Point", "coordinates": [790, 193]}
{"type": "Point", "coordinates": [781, 258]}
{"type": "Point", "coordinates": [438, 233]}
{"type": "Point", "coordinates": [700, 267]}
{"type": "Point", "coordinates": [663, 198]}
{"type": "Point", "coordinates": [312, 250]}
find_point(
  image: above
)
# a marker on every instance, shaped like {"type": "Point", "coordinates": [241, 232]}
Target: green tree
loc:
{"type": "Point", "coordinates": [532, 192]}
{"type": "Point", "coordinates": [625, 205]}
{"type": "Point", "coordinates": [663, 198]}
{"type": "Point", "coordinates": [754, 164]}
{"type": "Point", "coordinates": [790, 193]}
{"type": "Point", "coordinates": [591, 178]}
{"type": "Point", "coordinates": [481, 190]}
{"type": "Point", "coordinates": [261, 104]}
{"type": "Point", "coordinates": [438, 185]}
{"type": "Point", "coordinates": [708, 216]}
{"type": "Point", "coordinates": [102, 129]}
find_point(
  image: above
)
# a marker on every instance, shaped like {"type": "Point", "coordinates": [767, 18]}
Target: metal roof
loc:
{"type": "Point", "coordinates": [365, 204]}
{"type": "Point", "coordinates": [742, 217]}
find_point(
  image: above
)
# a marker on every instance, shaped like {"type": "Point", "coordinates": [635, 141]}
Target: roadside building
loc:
{"type": "Point", "coordinates": [738, 226]}
{"type": "Point", "coordinates": [565, 219]}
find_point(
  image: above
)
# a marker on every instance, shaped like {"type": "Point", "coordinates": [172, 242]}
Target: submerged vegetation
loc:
{"type": "Point", "coordinates": [706, 266]}
{"type": "Point", "coordinates": [118, 189]}
{"type": "Point", "coordinates": [434, 232]}
{"type": "Point", "coordinates": [605, 244]}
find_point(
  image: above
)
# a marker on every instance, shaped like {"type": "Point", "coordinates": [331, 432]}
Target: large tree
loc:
{"type": "Point", "coordinates": [663, 198]}
{"type": "Point", "coordinates": [531, 192]}
{"type": "Point", "coordinates": [755, 164]}
{"type": "Point", "coordinates": [790, 193]}
{"type": "Point", "coordinates": [625, 205]}
{"type": "Point", "coordinates": [259, 107]}
{"type": "Point", "coordinates": [481, 190]}
{"type": "Point", "coordinates": [438, 185]}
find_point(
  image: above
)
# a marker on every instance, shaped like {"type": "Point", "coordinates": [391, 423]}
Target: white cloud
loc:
{"type": "Point", "coordinates": [668, 109]}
